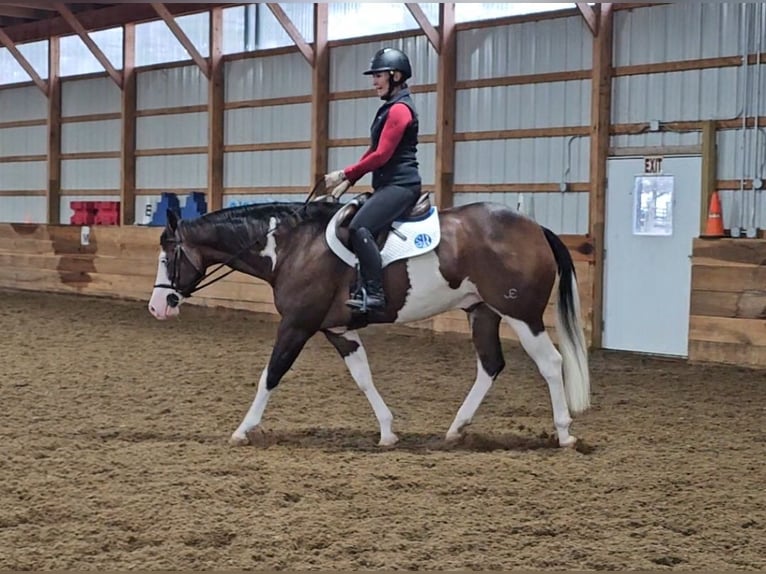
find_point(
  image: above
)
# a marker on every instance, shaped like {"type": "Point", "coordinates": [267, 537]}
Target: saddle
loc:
{"type": "Point", "coordinates": [417, 212]}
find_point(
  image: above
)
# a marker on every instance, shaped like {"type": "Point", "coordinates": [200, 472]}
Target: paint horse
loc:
{"type": "Point", "coordinates": [484, 258]}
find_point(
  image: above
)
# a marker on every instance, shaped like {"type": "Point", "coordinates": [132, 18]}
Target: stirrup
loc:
{"type": "Point", "coordinates": [359, 302]}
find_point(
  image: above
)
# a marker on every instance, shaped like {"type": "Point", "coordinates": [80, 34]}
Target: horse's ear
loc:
{"type": "Point", "coordinates": [172, 219]}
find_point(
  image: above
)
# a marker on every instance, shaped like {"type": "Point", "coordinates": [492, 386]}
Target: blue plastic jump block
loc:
{"type": "Point", "coordinates": [195, 205]}
{"type": "Point", "coordinates": [168, 201]}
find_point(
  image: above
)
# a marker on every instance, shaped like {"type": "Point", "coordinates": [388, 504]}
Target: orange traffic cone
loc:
{"type": "Point", "coordinates": [714, 227]}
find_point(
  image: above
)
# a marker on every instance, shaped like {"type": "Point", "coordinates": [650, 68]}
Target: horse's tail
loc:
{"type": "Point", "coordinates": [569, 329]}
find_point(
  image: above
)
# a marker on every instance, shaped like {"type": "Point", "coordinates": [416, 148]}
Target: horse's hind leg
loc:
{"type": "Point", "coordinates": [485, 329]}
{"type": "Point", "coordinates": [350, 347]}
{"type": "Point", "coordinates": [540, 348]}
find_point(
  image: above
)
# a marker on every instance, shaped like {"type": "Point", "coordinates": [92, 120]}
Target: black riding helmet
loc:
{"type": "Point", "coordinates": [390, 60]}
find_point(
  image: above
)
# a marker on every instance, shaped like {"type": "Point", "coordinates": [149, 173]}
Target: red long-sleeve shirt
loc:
{"type": "Point", "coordinates": [399, 116]}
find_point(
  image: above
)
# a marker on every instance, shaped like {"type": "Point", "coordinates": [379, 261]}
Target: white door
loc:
{"type": "Point", "coordinates": [652, 215]}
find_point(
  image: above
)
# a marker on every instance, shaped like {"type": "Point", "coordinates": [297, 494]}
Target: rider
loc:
{"type": "Point", "coordinates": [392, 159]}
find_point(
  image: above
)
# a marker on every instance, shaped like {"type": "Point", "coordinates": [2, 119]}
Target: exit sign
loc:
{"type": "Point", "coordinates": [653, 164]}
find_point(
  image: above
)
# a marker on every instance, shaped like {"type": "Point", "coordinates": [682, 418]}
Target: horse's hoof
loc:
{"type": "Point", "coordinates": [237, 439]}
{"type": "Point", "coordinates": [454, 436]}
{"type": "Point", "coordinates": [389, 440]}
{"type": "Point", "coordinates": [569, 442]}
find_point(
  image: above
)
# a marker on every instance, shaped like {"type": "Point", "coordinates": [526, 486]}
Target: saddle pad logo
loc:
{"type": "Point", "coordinates": [422, 240]}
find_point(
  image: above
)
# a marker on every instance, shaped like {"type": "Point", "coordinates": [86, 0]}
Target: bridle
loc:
{"type": "Point", "coordinates": [196, 284]}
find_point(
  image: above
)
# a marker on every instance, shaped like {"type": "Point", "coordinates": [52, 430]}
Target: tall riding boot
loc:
{"type": "Point", "coordinates": [371, 271]}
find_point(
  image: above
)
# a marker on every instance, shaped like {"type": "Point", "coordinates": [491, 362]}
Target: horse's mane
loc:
{"type": "Point", "coordinates": [241, 225]}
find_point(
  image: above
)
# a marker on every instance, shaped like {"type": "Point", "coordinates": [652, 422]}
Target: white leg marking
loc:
{"type": "Point", "coordinates": [359, 368]}
{"type": "Point", "coordinates": [471, 403]}
{"type": "Point", "coordinates": [254, 414]}
{"type": "Point", "coordinates": [548, 360]}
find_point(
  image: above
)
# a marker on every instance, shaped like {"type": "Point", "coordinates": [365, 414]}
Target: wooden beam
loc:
{"type": "Point", "coordinates": [425, 24]}
{"type": "Point", "coordinates": [589, 15]}
{"type": "Point", "coordinates": [128, 145]}
{"type": "Point", "coordinates": [320, 95]}
{"type": "Point", "coordinates": [181, 36]}
{"type": "Point", "coordinates": [709, 161]}
{"type": "Point", "coordinates": [15, 12]}
{"type": "Point", "coordinates": [74, 23]}
{"type": "Point", "coordinates": [35, 4]}
{"type": "Point", "coordinates": [601, 91]}
{"type": "Point", "coordinates": [445, 106]}
{"type": "Point", "coordinates": [292, 31]}
{"type": "Point", "coordinates": [23, 62]}
{"type": "Point", "coordinates": [53, 189]}
{"type": "Point", "coordinates": [215, 113]}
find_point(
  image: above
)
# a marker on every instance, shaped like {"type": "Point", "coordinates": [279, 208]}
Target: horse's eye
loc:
{"type": "Point", "coordinates": [164, 260]}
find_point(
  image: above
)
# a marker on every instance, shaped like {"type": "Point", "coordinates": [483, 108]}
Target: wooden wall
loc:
{"type": "Point", "coordinates": [122, 262]}
{"type": "Point", "coordinates": [728, 302]}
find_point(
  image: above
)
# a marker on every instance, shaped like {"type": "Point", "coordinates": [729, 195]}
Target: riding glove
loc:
{"type": "Point", "coordinates": [341, 189]}
{"type": "Point", "coordinates": [334, 178]}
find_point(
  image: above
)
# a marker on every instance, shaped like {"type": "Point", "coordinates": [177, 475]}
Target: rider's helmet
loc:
{"type": "Point", "coordinates": [390, 60]}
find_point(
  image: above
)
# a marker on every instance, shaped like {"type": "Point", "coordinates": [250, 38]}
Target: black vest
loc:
{"type": "Point", "coordinates": [402, 168]}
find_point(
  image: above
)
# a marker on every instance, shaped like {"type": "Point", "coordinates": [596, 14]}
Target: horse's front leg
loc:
{"type": "Point", "coordinates": [350, 347]}
{"type": "Point", "coordinates": [289, 343]}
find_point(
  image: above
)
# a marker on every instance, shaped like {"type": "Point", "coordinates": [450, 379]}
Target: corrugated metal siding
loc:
{"type": "Point", "coordinates": [172, 87]}
{"type": "Point", "coordinates": [233, 199]}
{"type": "Point", "coordinates": [348, 62]}
{"type": "Point", "coordinates": [27, 103]}
{"type": "Point", "coordinates": [172, 171]}
{"type": "Point", "coordinates": [352, 118]}
{"type": "Point", "coordinates": [681, 31]}
{"type": "Point", "coordinates": [267, 168]}
{"type": "Point", "coordinates": [89, 96]}
{"type": "Point", "coordinates": [30, 140]}
{"type": "Point", "coordinates": [82, 137]}
{"type": "Point", "coordinates": [174, 130]}
{"type": "Point", "coordinates": [267, 77]}
{"type": "Point", "coordinates": [268, 124]}
{"type": "Point", "coordinates": [553, 104]}
{"type": "Point", "coordinates": [23, 209]}
{"type": "Point", "coordinates": [90, 174]}
{"type": "Point", "coordinates": [563, 44]}
{"type": "Point", "coordinates": [537, 160]}
{"type": "Point", "coordinates": [66, 212]}
{"type": "Point", "coordinates": [24, 175]}
{"type": "Point", "coordinates": [341, 157]}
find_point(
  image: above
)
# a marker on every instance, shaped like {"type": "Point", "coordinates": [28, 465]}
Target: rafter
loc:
{"type": "Point", "coordinates": [181, 36]}
{"type": "Point", "coordinates": [16, 12]}
{"type": "Point", "coordinates": [425, 24]}
{"type": "Point", "coordinates": [292, 31]}
{"type": "Point", "coordinates": [589, 15]}
{"type": "Point", "coordinates": [74, 23]}
{"type": "Point", "coordinates": [23, 62]}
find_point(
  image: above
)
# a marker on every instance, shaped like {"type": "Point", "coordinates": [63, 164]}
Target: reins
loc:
{"type": "Point", "coordinates": [186, 293]}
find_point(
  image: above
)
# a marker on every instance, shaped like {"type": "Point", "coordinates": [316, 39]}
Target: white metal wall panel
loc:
{"type": "Point", "coordinates": [342, 157]}
{"type": "Point", "coordinates": [352, 118]}
{"type": "Point", "coordinates": [23, 176]}
{"type": "Point", "coordinates": [23, 209]}
{"type": "Point", "coordinates": [27, 103]}
{"type": "Point", "coordinates": [563, 44]}
{"type": "Point", "coordinates": [172, 171]}
{"type": "Point", "coordinates": [90, 96]}
{"type": "Point", "coordinates": [30, 140]}
{"type": "Point", "coordinates": [291, 122]}
{"type": "Point", "coordinates": [234, 199]}
{"type": "Point", "coordinates": [561, 212]}
{"type": "Point", "coordinates": [174, 130]}
{"type": "Point", "coordinates": [553, 104]}
{"type": "Point", "coordinates": [80, 137]}
{"type": "Point", "coordinates": [737, 150]}
{"type": "Point", "coordinates": [171, 87]}
{"type": "Point", "coordinates": [656, 139]}
{"type": "Point", "coordinates": [66, 212]}
{"type": "Point", "coordinates": [537, 160]}
{"type": "Point", "coordinates": [348, 62]}
{"type": "Point", "coordinates": [275, 168]}
{"type": "Point", "coordinates": [268, 77]}
{"type": "Point", "coordinates": [680, 31]}
{"type": "Point", "coordinates": [90, 174]}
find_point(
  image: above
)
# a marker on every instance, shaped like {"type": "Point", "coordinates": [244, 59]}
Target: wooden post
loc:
{"type": "Point", "coordinates": [215, 113]}
{"type": "Point", "coordinates": [53, 191]}
{"type": "Point", "coordinates": [128, 146]}
{"type": "Point", "coordinates": [601, 92]}
{"type": "Point", "coordinates": [445, 106]}
{"type": "Point", "coordinates": [709, 160]}
{"type": "Point", "coordinates": [320, 95]}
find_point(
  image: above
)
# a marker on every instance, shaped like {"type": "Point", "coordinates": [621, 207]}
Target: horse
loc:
{"type": "Point", "coordinates": [492, 262]}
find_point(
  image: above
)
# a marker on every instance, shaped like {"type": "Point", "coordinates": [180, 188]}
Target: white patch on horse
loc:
{"type": "Point", "coordinates": [270, 250]}
{"type": "Point", "coordinates": [472, 402]}
{"type": "Point", "coordinates": [430, 293]}
{"type": "Point", "coordinates": [158, 305]}
{"type": "Point", "coordinates": [254, 413]}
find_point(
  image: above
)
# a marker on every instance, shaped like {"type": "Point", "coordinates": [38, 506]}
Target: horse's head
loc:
{"type": "Point", "coordinates": [179, 271]}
